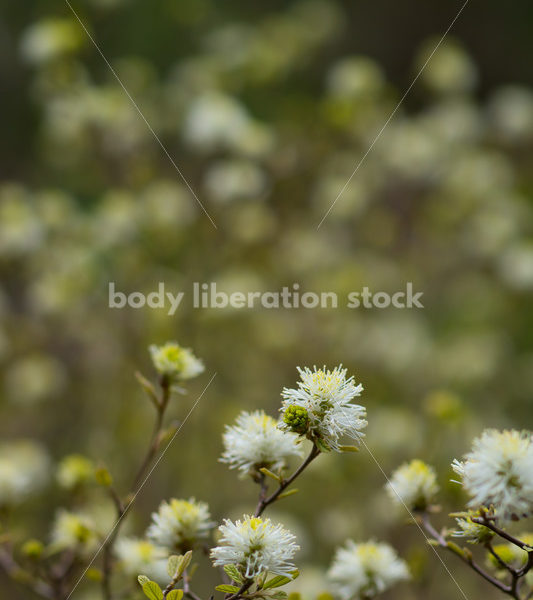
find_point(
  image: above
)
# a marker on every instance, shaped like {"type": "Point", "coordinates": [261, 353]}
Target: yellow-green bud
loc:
{"type": "Point", "coordinates": [296, 418]}
{"type": "Point", "coordinates": [32, 549]}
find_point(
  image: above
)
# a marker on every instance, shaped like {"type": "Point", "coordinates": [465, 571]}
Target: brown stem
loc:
{"type": "Point", "coordinates": [441, 540]}
{"type": "Point", "coordinates": [122, 507]}
{"type": "Point", "coordinates": [12, 569]}
{"type": "Point", "coordinates": [284, 484]}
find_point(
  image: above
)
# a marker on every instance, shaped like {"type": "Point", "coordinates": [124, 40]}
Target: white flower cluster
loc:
{"type": "Point", "coordinates": [321, 407]}
{"type": "Point", "coordinates": [74, 531]}
{"type": "Point", "coordinates": [179, 524]}
{"type": "Point", "coordinates": [141, 556]}
{"type": "Point", "coordinates": [255, 546]}
{"type": "Point", "coordinates": [364, 570]}
{"type": "Point", "coordinates": [175, 362]}
{"type": "Point", "coordinates": [413, 484]}
{"type": "Point", "coordinates": [256, 441]}
{"type": "Point", "coordinates": [498, 471]}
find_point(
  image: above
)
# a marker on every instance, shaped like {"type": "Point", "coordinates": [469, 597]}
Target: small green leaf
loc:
{"type": "Point", "coordinates": [321, 445]}
{"type": "Point", "coordinates": [184, 562]}
{"type": "Point", "coordinates": [103, 477]}
{"type": "Point", "coordinates": [348, 448]}
{"type": "Point", "coordinates": [152, 590]}
{"type": "Point", "coordinates": [280, 580]}
{"type": "Point", "coordinates": [233, 573]}
{"type": "Point", "coordinates": [268, 473]}
{"type": "Point", "coordinates": [175, 595]}
{"type": "Point", "coordinates": [288, 493]}
{"type": "Point", "coordinates": [173, 564]}
{"type": "Point", "coordinates": [227, 589]}
{"type": "Point", "coordinates": [142, 579]}
{"type": "Point", "coordinates": [279, 595]}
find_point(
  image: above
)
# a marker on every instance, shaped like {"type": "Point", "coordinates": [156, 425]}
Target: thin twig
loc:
{"type": "Point", "coordinates": [284, 484]}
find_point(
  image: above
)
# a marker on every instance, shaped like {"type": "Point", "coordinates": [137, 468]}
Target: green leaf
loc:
{"type": "Point", "coordinates": [227, 589]}
{"type": "Point", "coordinates": [279, 595]}
{"type": "Point", "coordinates": [233, 573]}
{"type": "Point", "coordinates": [184, 562]}
{"type": "Point", "coordinates": [280, 580]}
{"type": "Point", "coordinates": [175, 595]}
{"type": "Point", "coordinates": [321, 445]}
{"type": "Point", "coordinates": [142, 579]}
{"type": "Point", "coordinates": [152, 590]}
{"type": "Point", "coordinates": [348, 448]}
{"type": "Point", "coordinates": [288, 493]}
{"type": "Point", "coordinates": [268, 473]}
{"type": "Point", "coordinates": [173, 564]}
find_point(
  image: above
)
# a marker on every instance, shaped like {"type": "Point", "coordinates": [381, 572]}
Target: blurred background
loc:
{"type": "Point", "coordinates": [266, 109]}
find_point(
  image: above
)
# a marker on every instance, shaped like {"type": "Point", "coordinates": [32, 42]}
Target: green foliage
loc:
{"type": "Point", "coordinates": [152, 590]}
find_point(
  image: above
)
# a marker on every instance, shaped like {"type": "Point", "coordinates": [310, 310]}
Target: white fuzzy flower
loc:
{"type": "Point", "coordinates": [179, 524]}
{"type": "Point", "coordinates": [321, 409]}
{"type": "Point", "coordinates": [256, 441]}
{"type": "Point", "coordinates": [499, 471]}
{"type": "Point", "coordinates": [141, 557]}
{"type": "Point", "coordinates": [24, 468]}
{"type": "Point", "coordinates": [364, 570]}
{"type": "Point", "coordinates": [255, 546]}
{"type": "Point", "coordinates": [175, 362]}
{"type": "Point", "coordinates": [73, 531]}
{"type": "Point", "coordinates": [415, 483]}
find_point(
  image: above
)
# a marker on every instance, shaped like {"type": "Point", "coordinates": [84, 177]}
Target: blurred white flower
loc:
{"type": "Point", "coordinates": [141, 557]}
{"type": "Point", "coordinates": [24, 470]}
{"type": "Point", "coordinates": [73, 531]}
{"type": "Point", "coordinates": [175, 362]}
{"type": "Point", "coordinates": [256, 441]}
{"type": "Point", "coordinates": [34, 378]}
{"type": "Point", "coordinates": [364, 570]}
{"type": "Point", "coordinates": [74, 470]}
{"type": "Point", "coordinates": [498, 471]}
{"type": "Point", "coordinates": [511, 113]}
{"type": "Point", "coordinates": [255, 546]}
{"type": "Point", "coordinates": [321, 409]}
{"type": "Point", "coordinates": [49, 39]}
{"type": "Point", "coordinates": [179, 524]}
{"type": "Point", "coordinates": [233, 179]}
{"type": "Point", "coordinates": [215, 120]}
{"type": "Point", "coordinates": [355, 77]}
{"type": "Point", "coordinates": [415, 483]}
{"type": "Point", "coordinates": [450, 69]}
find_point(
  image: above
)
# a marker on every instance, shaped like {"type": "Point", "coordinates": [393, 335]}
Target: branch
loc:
{"type": "Point", "coordinates": [441, 541]}
{"type": "Point", "coordinates": [284, 484]}
{"type": "Point", "coordinates": [13, 570]}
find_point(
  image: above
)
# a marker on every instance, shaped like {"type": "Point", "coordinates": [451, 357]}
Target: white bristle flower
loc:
{"type": "Point", "coordinates": [413, 484]}
{"type": "Point", "coordinates": [256, 546]}
{"type": "Point", "coordinates": [73, 531]}
{"type": "Point", "coordinates": [321, 409]}
{"type": "Point", "coordinates": [256, 441]}
{"type": "Point", "coordinates": [139, 556]}
{"type": "Point", "coordinates": [365, 570]}
{"type": "Point", "coordinates": [179, 524]}
{"type": "Point", "coordinates": [498, 471]}
{"type": "Point", "coordinates": [175, 362]}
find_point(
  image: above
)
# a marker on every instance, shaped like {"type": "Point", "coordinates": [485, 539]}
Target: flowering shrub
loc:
{"type": "Point", "coordinates": [257, 555]}
{"type": "Point", "coordinates": [497, 475]}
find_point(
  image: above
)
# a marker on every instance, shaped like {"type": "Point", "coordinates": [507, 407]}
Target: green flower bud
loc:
{"type": "Point", "coordinates": [296, 418]}
{"type": "Point", "coordinates": [32, 549]}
